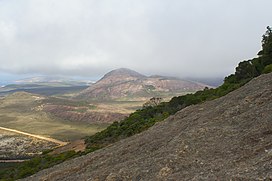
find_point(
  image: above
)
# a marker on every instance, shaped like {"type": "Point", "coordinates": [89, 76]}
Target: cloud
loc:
{"type": "Point", "coordinates": [89, 37]}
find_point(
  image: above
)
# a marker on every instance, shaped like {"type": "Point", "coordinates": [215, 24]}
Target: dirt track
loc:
{"type": "Point", "coordinates": [12, 161]}
{"type": "Point", "coordinates": [61, 143]}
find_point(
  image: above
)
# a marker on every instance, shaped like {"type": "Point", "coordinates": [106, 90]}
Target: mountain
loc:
{"type": "Point", "coordinates": [229, 138]}
{"type": "Point", "coordinates": [127, 84]}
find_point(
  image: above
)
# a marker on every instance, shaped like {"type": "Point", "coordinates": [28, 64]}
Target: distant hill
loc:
{"type": "Point", "coordinates": [45, 85]}
{"type": "Point", "coordinates": [52, 81]}
{"type": "Point", "coordinates": [40, 89]}
{"type": "Point", "coordinates": [128, 84]}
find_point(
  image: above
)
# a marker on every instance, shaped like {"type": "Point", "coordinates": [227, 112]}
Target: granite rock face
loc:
{"type": "Point", "coordinates": [229, 138]}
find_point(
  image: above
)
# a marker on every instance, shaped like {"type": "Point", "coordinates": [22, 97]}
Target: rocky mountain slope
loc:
{"type": "Point", "coordinates": [228, 138]}
{"type": "Point", "coordinates": [126, 83]}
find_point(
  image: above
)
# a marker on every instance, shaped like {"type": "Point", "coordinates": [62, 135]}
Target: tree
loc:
{"type": "Point", "coordinates": [154, 101]}
{"type": "Point", "coordinates": [266, 52]}
{"type": "Point", "coordinates": [245, 70]}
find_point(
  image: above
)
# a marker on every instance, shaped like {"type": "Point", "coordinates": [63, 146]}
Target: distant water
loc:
{"type": "Point", "coordinates": [8, 78]}
{"type": "Point", "coordinates": [4, 83]}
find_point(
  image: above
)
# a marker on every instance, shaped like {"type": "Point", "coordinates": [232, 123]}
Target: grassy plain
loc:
{"type": "Point", "coordinates": [22, 111]}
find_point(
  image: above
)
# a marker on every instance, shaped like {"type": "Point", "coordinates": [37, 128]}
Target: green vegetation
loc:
{"type": "Point", "coordinates": [34, 165]}
{"type": "Point", "coordinates": [150, 87]}
{"type": "Point", "coordinates": [14, 171]}
{"type": "Point", "coordinates": [267, 69]}
{"type": "Point", "coordinates": [146, 117]}
{"type": "Point", "coordinates": [66, 102]}
{"type": "Point", "coordinates": [5, 170]}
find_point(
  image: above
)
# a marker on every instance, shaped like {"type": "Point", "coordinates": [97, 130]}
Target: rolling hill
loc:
{"type": "Point", "coordinates": [28, 112]}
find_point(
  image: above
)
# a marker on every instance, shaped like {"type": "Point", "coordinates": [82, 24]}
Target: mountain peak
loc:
{"type": "Point", "coordinates": [124, 72]}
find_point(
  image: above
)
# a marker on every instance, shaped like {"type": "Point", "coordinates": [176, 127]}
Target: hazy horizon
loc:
{"type": "Point", "coordinates": [6, 79]}
{"type": "Point", "coordinates": [87, 38]}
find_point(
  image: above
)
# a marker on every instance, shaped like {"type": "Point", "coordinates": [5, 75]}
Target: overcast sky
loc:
{"type": "Point", "coordinates": [185, 38]}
